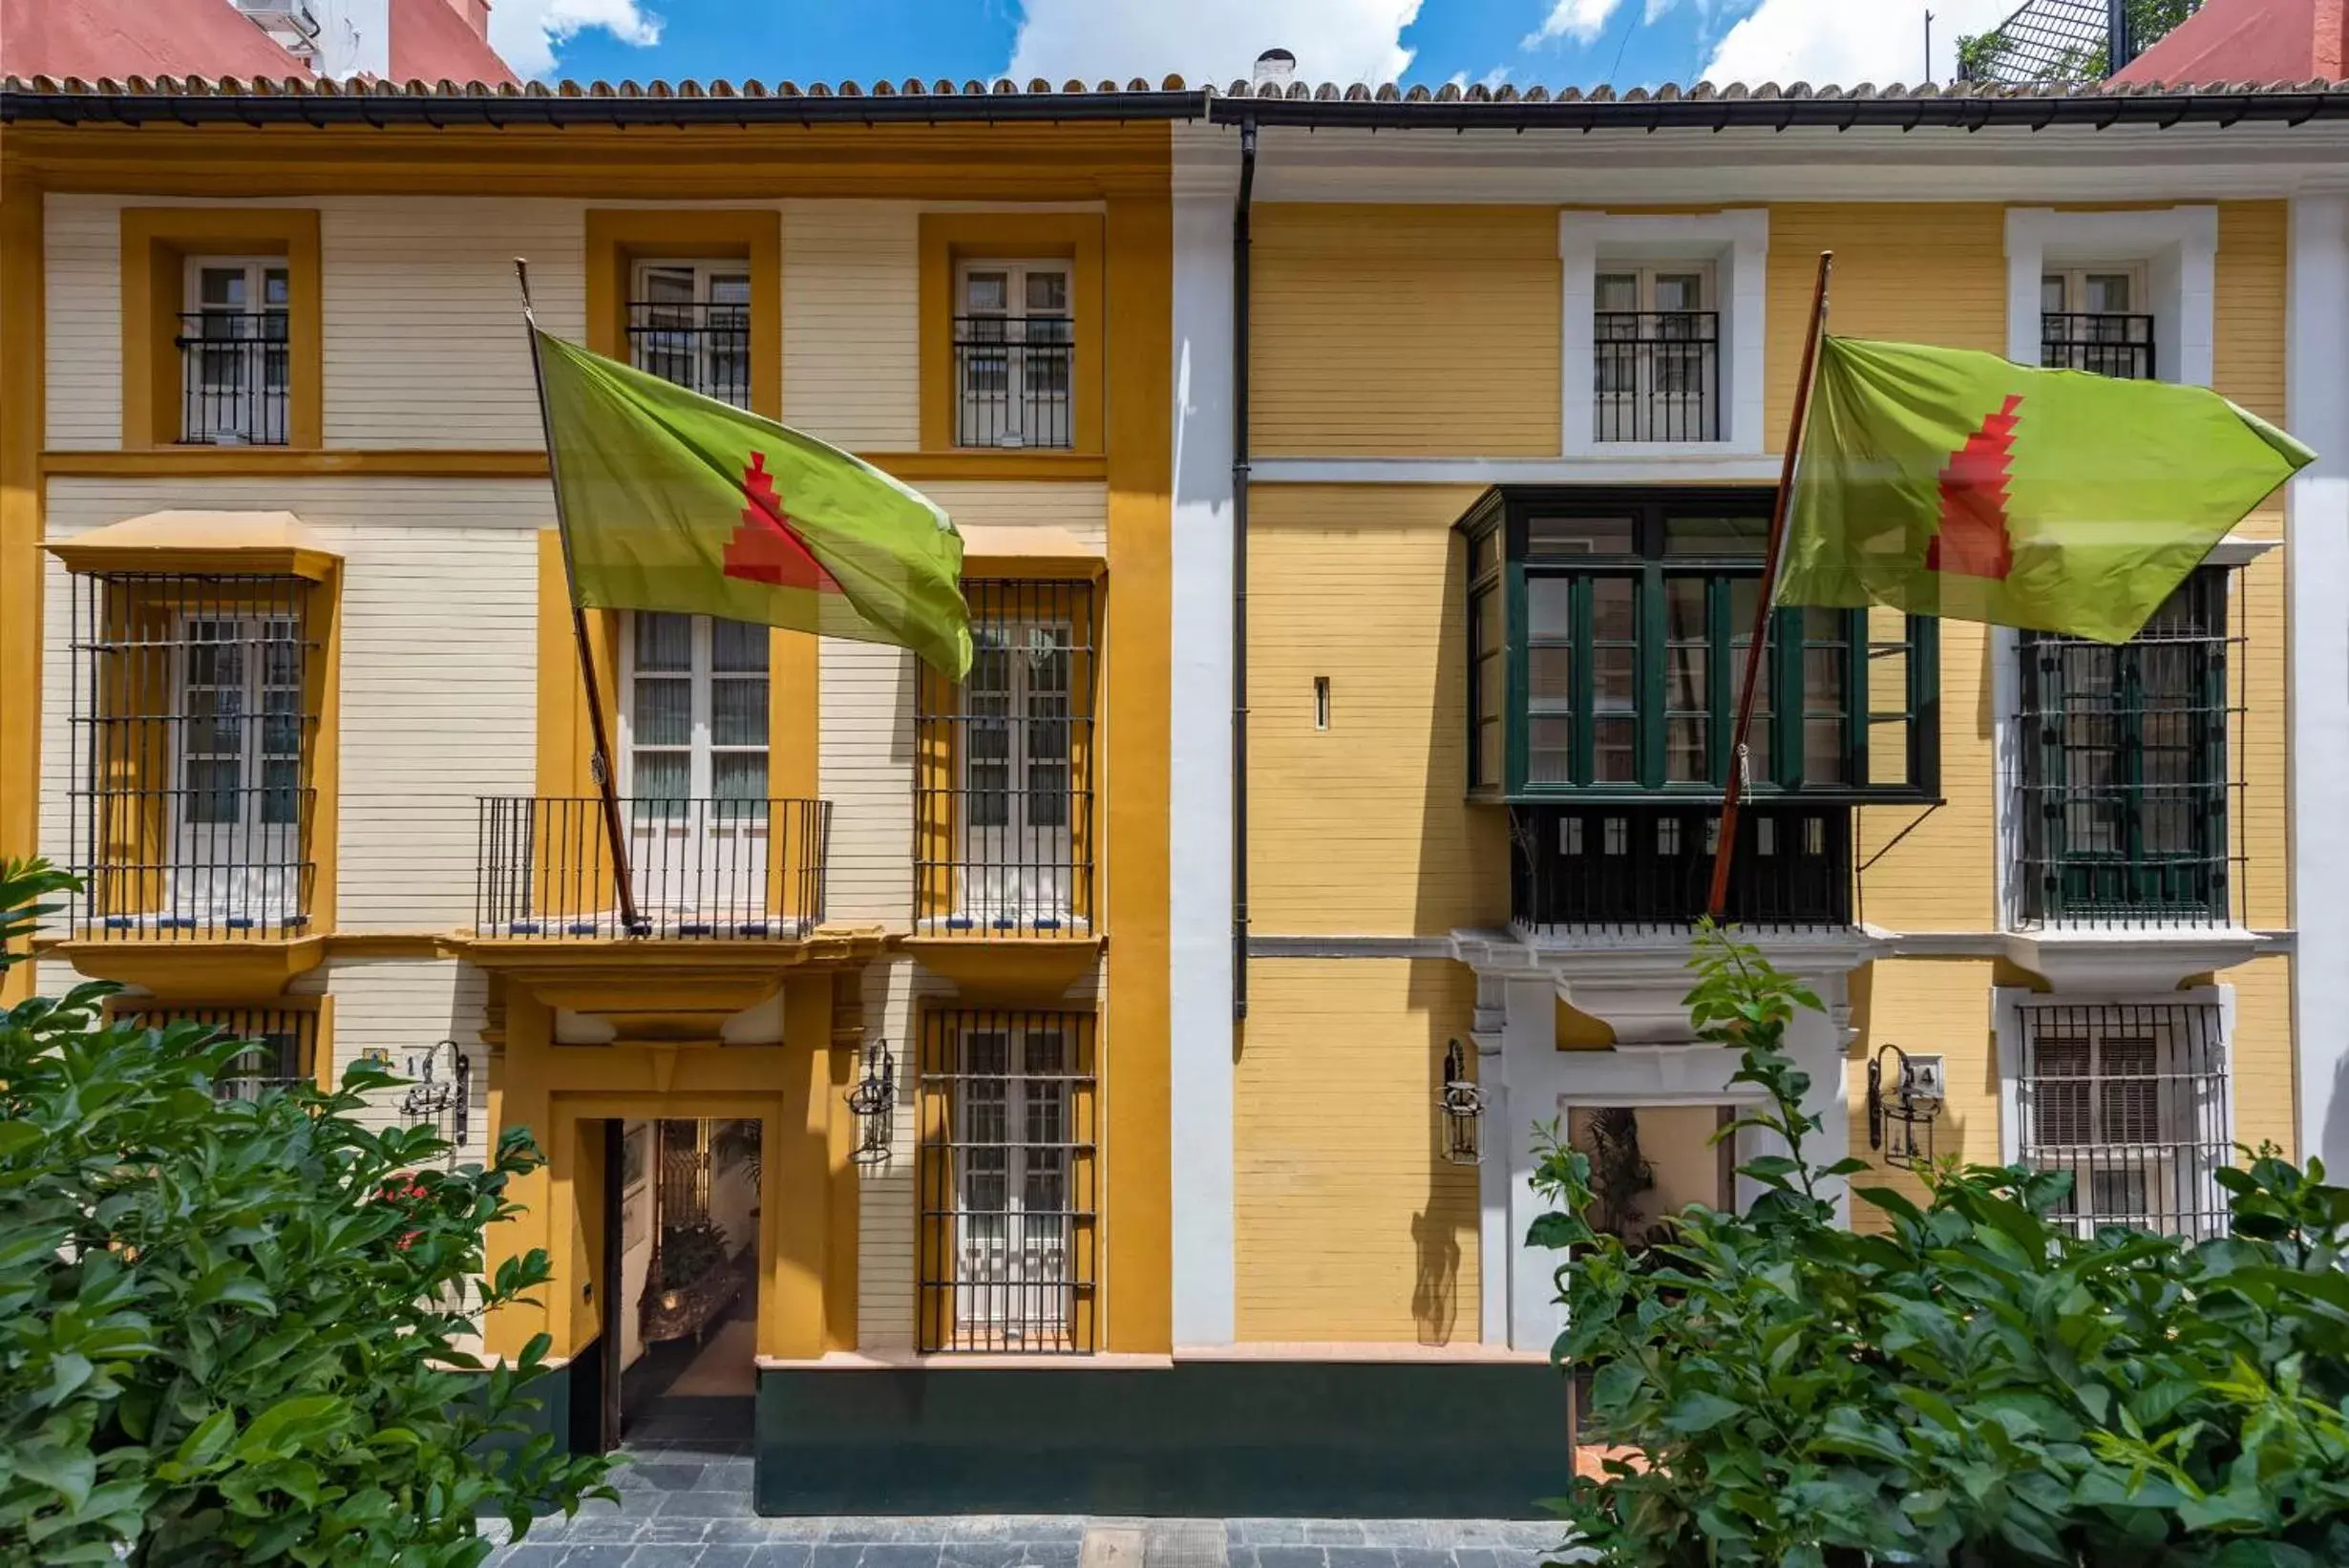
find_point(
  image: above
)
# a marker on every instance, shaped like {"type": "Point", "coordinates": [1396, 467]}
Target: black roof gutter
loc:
{"type": "Point", "coordinates": [499, 110]}
{"type": "Point", "coordinates": [1957, 109]}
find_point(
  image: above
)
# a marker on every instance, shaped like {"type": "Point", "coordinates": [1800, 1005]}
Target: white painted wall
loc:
{"type": "Point", "coordinates": [402, 1008]}
{"type": "Point", "coordinates": [82, 268]}
{"type": "Point", "coordinates": [851, 291]}
{"type": "Point", "coordinates": [2316, 525]}
{"type": "Point", "coordinates": [1199, 975]}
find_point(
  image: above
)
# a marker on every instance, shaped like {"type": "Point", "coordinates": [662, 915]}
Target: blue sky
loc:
{"type": "Point", "coordinates": [1552, 42]}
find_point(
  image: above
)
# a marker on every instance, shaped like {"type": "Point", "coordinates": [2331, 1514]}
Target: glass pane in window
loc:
{"type": "Point", "coordinates": [1685, 751]}
{"type": "Point", "coordinates": [664, 712]}
{"type": "Point", "coordinates": [1615, 677]}
{"type": "Point", "coordinates": [1581, 537]}
{"type": "Point", "coordinates": [2107, 292]}
{"type": "Point", "coordinates": [1489, 754]}
{"type": "Point", "coordinates": [1615, 609]}
{"type": "Point", "coordinates": [2051, 292]}
{"type": "Point", "coordinates": [664, 642]}
{"type": "Point", "coordinates": [1047, 794]}
{"type": "Point", "coordinates": [1687, 677]}
{"type": "Point", "coordinates": [738, 776]}
{"type": "Point", "coordinates": [1619, 292]}
{"type": "Point", "coordinates": [661, 775]}
{"type": "Point", "coordinates": [737, 711]}
{"type": "Point", "coordinates": [1680, 291]}
{"type": "Point", "coordinates": [989, 798]}
{"type": "Point", "coordinates": [729, 288]}
{"type": "Point", "coordinates": [1551, 744]}
{"type": "Point", "coordinates": [1048, 292]}
{"type": "Point", "coordinates": [1822, 755]}
{"type": "Point", "coordinates": [1480, 550]}
{"type": "Point", "coordinates": [281, 726]}
{"type": "Point", "coordinates": [212, 784]}
{"type": "Point", "coordinates": [281, 783]}
{"type": "Point", "coordinates": [1731, 536]}
{"type": "Point", "coordinates": [1549, 677]}
{"type": "Point", "coordinates": [1548, 605]}
{"type": "Point", "coordinates": [215, 719]}
{"type": "Point", "coordinates": [1684, 602]}
{"type": "Point", "coordinates": [1485, 613]}
{"type": "Point", "coordinates": [1615, 756]}
{"type": "Point", "coordinates": [2132, 1097]}
{"type": "Point", "coordinates": [223, 287]}
{"type": "Point", "coordinates": [739, 647]}
{"type": "Point", "coordinates": [666, 285]}
{"type": "Point", "coordinates": [1823, 685]}
{"type": "Point", "coordinates": [987, 293]}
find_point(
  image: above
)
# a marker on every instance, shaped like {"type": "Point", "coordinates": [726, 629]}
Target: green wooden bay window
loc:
{"type": "Point", "coordinates": [1608, 632]}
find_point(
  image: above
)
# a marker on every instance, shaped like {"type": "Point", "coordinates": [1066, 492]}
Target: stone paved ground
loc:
{"type": "Point", "coordinates": [688, 1505]}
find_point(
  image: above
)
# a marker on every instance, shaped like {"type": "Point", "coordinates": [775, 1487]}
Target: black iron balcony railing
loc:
{"type": "Point", "coordinates": [702, 348]}
{"type": "Point", "coordinates": [2117, 346]}
{"type": "Point", "coordinates": [1014, 379]}
{"type": "Point", "coordinates": [235, 370]}
{"type": "Point", "coordinates": [1656, 375]}
{"type": "Point", "coordinates": [1652, 865]}
{"type": "Point", "coordinates": [722, 869]}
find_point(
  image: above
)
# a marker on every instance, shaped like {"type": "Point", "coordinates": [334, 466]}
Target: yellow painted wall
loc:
{"type": "Point", "coordinates": [1398, 331]}
{"type": "Point", "coordinates": [1349, 1226]}
{"type": "Point", "coordinates": [1361, 829]}
{"type": "Point", "coordinates": [1928, 1005]}
{"type": "Point", "coordinates": [20, 525]}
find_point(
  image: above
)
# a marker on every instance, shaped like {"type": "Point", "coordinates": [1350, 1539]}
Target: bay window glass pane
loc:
{"type": "Point", "coordinates": [1823, 754]}
{"type": "Point", "coordinates": [1581, 537]}
{"type": "Point", "coordinates": [1731, 536]}
{"type": "Point", "coordinates": [1548, 605]}
{"type": "Point", "coordinates": [1614, 750]}
{"type": "Point", "coordinates": [1551, 747]}
{"type": "Point", "coordinates": [1615, 609]}
{"type": "Point", "coordinates": [1687, 746]}
{"type": "Point", "coordinates": [1550, 676]}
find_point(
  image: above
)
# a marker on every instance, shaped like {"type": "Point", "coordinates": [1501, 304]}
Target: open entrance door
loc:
{"type": "Point", "coordinates": [680, 1316]}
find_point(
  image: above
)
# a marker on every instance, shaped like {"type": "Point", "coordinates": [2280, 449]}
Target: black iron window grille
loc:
{"type": "Point", "coordinates": [2102, 342]}
{"type": "Point", "coordinates": [2126, 791]}
{"type": "Point", "coordinates": [1003, 805]}
{"type": "Point", "coordinates": [195, 710]}
{"type": "Point", "coordinates": [285, 1045]}
{"type": "Point", "coordinates": [235, 370]}
{"type": "Point", "coordinates": [1641, 866]}
{"type": "Point", "coordinates": [1008, 1180]}
{"type": "Point", "coordinates": [1658, 374]}
{"type": "Point", "coordinates": [723, 869]}
{"type": "Point", "coordinates": [1607, 643]}
{"type": "Point", "coordinates": [2130, 1101]}
{"type": "Point", "coordinates": [702, 343]}
{"type": "Point", "coordinates": [1015, 381]}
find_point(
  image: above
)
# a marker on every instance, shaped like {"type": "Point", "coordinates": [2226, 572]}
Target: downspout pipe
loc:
{"type": "Point", "coordinates": [1240, 568]}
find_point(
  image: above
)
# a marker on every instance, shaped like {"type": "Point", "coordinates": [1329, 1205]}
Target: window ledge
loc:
{"type": "Point", "coordinates": [986, 966]}
{"type": "Point", "coordinates": [1043, 463]}
{"type": "Point", "coordinates": [2117, 959]}
{"type": "Point", "coordinates": [178, 966]}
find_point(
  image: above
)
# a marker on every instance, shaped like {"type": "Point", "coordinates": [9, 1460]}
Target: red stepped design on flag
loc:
{"type": "Point", "coordinates": [1973, 539]}
{"type": "Point", "coordinates": [765, 549]}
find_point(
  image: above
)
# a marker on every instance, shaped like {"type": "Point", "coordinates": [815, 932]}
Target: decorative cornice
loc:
{"type": "Point", "coordinates": [2122, 961]}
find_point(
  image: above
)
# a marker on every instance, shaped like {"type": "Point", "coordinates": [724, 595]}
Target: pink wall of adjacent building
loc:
{"type": "Point", "coordinates": [2249, 42]}
{"type": "Point", "coordinates": [430, 39]}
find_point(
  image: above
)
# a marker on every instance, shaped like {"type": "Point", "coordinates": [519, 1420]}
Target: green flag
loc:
{"type": "Point", "coordinates": [671, 501]}
{"type": "Point", "coordinates": [1948, 482]}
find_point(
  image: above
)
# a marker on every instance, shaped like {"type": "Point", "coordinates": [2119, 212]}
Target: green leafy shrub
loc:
{"type": "Point", "coordinates": [1978, 1384]}
{"type": "Point", "coordinates": [230, 1329]}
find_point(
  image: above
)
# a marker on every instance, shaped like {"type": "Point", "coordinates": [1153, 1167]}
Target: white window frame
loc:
{"type": "Point", "coordinates": [2009, 1003]}
{"type": "Point", "coordinates": [1734, 245]}
{"type": "Point", "coordinates": [256, 270]}
{"type": "Point", "coordinates": [2175, 249]}
{"type": "Point", "coordinates": [1016, 272]}
{"type": "Point", "coordinates": [704, 271]}
{"type": "Point", "coordinates": [701, 748]}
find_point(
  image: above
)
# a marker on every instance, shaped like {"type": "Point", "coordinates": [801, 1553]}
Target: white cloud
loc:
{"type": "Point", "coordinates": [1489, 80]}
{"type": "Point", "coordinates": [1656, 9]}
{"type": "Point", "coordinates": [1847, 42]}
{"type": "Point", "coordinates": [527, 33]}
{"type": "Point", "coordinates": [1579, 20]}
{"type": "Point", "coordinates": [1210, 40]}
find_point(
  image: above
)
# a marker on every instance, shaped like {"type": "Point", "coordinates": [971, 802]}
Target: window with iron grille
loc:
{"type": "Point", "coordinates": [2124, 791]}
{"type": "Point", "coordinates": [2130, 1102]}
{"type": "Point", "coordinates": [235, 352]}
{"type": "Point", "coordinates": [1007, 1180]}
{"type": "Point", "coordinates": [2090, 320]}
{"type": "Point", "coordinates": [195, 711]}
{"type": "Point", "coordinates": [1004, 806]}
{"type": "Point", "coordinates": [1656, 354]}
{"type": "Point", "coordinates": [1608, 634]}
{"type": "Point", "coordinates": [284, 1044]}
{"type": "Point", "coordinates": [690, 323]}
{"type": "Point", "coordinates": [1014, 355]}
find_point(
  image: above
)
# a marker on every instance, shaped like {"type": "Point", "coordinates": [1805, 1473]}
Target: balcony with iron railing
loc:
{"type": "Point", "coordinates": [1657, 375]}
{"type": "Point", "coordinates": [1577, 870]}
{"type": "Point", "coordinates": [703, 347]}
{"type": "Point", "coordinates": [2099, 342]}
{"type": "Point", "coordinates": [235, 374]}
{"type": "Point", "coordinates": [713, 869]}
{"type": "Point", "coordinates": [1015, 381]}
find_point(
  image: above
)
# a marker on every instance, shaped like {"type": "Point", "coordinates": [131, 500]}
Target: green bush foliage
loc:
{"type": "Point", "coordinates": [1977, 1384]}
{"type": "Point", "coordinates": [230, 1329]}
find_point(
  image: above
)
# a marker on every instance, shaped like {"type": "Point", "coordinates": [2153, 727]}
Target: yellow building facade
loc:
{"type": "Point", "coordinates": [1110, 1084]}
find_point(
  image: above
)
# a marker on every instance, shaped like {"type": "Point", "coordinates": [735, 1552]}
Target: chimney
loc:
{"type": "Point", "coordinates": [1275, 68]}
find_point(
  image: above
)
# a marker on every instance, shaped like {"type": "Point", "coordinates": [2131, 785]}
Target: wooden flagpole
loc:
{"type": "Point", "coordinates": [1758, 648]}
{"type": "Point", "coordinates": [600, 760]}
